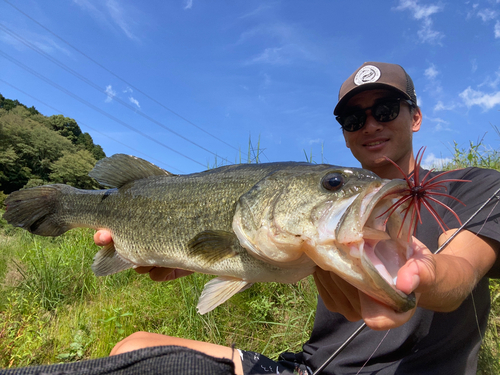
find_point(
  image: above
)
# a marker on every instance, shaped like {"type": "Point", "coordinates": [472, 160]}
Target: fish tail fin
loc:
{"type": "Point", "coordinates": [218, 291]}
{"type": "Point", "coordinates": [37, 210]}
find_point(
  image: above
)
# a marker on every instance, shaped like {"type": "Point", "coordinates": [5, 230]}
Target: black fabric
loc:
{"type": "Point", "coordinates": [150, 361]}
{"type": "Point", "coordinates": [287, 364]}
{"type": "Point", "coordinates": [431, 342]}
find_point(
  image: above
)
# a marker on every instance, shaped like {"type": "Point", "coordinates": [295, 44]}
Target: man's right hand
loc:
{"type": "Point", "coordinates": [103, 237]}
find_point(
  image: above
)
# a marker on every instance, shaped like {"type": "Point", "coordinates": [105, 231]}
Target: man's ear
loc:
{"type": "Point", "coordinates": [417, 119]}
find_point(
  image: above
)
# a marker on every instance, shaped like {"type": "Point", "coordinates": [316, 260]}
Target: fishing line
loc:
{"type": "Point", "coordinates": [363, 325]}
{"type": "Point", "coordinates": [494, 195]}
{"type": "Point", "coordinates": [472, 294]}
{"type": "Point", "coordinates": [371, 355]}
{"type": "Point", "coordinates": [475, 316]}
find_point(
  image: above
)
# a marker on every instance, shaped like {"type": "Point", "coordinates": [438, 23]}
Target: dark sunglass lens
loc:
{"type": "Point", "coordinates": [354, 121]}
{"type": "Point", "coordinates": [386, 111]}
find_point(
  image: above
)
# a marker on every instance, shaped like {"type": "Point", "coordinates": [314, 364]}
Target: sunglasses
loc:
{"type": "Point", "coordinates": [384, 110]}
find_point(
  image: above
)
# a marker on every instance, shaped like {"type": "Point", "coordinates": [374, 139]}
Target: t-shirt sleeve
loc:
{"type": "Point", "coordinates": [484, 183]}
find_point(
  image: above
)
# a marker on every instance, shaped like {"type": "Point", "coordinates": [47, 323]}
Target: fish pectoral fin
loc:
{"type": "Point", "coordinates": [218, 291]}
{"type": "Point", "coordinates": [107, 262]}
{"type": "Point", "coordinates": [214, 245]}
{"type": "Point", "coordinates": [120, 169]}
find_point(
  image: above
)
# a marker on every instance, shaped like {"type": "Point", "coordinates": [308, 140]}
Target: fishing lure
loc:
{"type": "Point", "coordinates": [417, 193]}
{"type": "Point", "coordinates": [420, 192]}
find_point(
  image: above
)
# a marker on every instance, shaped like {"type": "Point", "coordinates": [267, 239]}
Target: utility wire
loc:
{"type": "Point", "coordinates": [98, 88]}
{"type": "Point", "coordinates": [120, 78]}
{"type": "Point", "coordinates": [81, 100]}
{"type": "Point", "coordinates": [90, 127]}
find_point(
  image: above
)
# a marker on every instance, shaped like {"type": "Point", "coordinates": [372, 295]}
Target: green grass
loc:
{"type": "Point", "coordinates": [53, 309]}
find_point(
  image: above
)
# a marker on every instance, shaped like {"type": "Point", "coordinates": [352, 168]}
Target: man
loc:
{"type": "Point", "coordinates": [378, 112]}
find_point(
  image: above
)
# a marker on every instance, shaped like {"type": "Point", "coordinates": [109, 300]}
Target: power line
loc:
{"type": "Point", "coordinates": [98, 88]}
{"type": "Point", "coordinates": [81, 100]}
{"type": "Point", "coordinates": [90, 127]}
{"type": "Point", "coordinates": [120, 78]}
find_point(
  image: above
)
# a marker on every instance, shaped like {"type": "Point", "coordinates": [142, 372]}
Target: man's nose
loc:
{"type": "Point", "coordinates": [371, 125]}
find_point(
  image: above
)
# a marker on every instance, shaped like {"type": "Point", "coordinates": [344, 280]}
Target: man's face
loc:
{"type": "Point", "coordinates": [378, 139]}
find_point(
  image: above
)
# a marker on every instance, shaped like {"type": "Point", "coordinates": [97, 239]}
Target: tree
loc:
{"type": "Point", "coordinates": [65, 126]}
{"type": "Point", "coordinates": [73, 169]}
{"type": "Point", "coordinates": [36, 150]}
{"type": "Point", "coordinates": [85, 141]}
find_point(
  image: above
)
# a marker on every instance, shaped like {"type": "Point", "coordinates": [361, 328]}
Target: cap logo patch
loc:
{"type": "Point", "coordinates": [367, 74]}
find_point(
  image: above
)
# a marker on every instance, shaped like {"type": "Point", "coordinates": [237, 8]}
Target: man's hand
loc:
{"type": "Point", "coordinates": [340, 296]}
{"type": "Point", "coordinates": [103, 238]}
{"type": "Point", "coordinates": [441, 282]}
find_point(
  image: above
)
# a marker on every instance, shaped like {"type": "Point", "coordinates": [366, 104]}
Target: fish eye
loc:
{"type": "Point", "coordinates": [333, 181]}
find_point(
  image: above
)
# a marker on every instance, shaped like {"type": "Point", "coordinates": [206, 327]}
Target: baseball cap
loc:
{"type": "Point", "coordinates": [376, 75]}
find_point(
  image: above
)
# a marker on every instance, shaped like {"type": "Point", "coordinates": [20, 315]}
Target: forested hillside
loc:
{"type": "Point", "coordinates": [36, 149]}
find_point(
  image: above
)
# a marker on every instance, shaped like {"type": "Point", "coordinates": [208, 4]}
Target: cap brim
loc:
{"type": "Point", "coordinates": [367, 86]}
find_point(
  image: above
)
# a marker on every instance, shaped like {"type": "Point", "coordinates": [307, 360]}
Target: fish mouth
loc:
{"type": "Point", "coordinates": [374, 239]}
{"type": "Point", "coordinates": [386, 235]}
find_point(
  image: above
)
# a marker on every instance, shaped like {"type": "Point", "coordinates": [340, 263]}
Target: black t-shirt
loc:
{"type": "Point", "coordinates": [431, 342]}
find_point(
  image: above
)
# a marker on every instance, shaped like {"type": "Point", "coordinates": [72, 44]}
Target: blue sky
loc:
{"type": "Point", "coordinates": [197, 79]}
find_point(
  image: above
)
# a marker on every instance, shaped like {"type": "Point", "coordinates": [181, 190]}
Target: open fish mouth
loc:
{"type": "Point", "coordinates": [372, 239]}
{"type": "Point", "coordinates": [386, 236]}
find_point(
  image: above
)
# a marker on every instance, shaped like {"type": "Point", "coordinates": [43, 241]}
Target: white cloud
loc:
{"type": "Point", "coordinates": [274, 56]}
{"type": "Point", "coordinates": [256, 11]}
{"type": "Point", "coordinates": [112, 14]}
{"type": "Point", "coordinates": [440, 106]}
{"type": "Point", "coordinates": [431, 161]}
{"type": "Point", "coordinates": [134, 101]}
{"type": "Point", "coordinates": [285, 45]}
{"type": "Point", "coordinates": [474, 65]}
{"type": "Point", "coordinates": [286, 54]}
{"type": "Point", "coordinates": [486, 101]}
{"type": "Point", "coordinates": [434, 85]}
{"type": "Point", "coordinates": [427, 34]}
{"type": "Point", "coordinates": [491, 81]}
{"type": "Point", "coordinates": [423, 13]}
{"type": "Point", "coordinates": [120, 17]}
{"type": "Point", "coordinates": [315, 141]}
{"type": "Point", "coordinates": [21, 39]}
{"type": "Point", "coordinates": [431, 72]}
{"type": "Point", "coordinates": [487, 14]}
{"type": "Point", "coordinates": [110, 93]}
{"type": "Point", "coordinates": [441, 125]}
{"type": "Point", "coordinates": [188, 4]}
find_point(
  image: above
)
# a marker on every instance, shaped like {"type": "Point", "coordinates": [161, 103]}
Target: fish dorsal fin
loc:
{"type": "Point", "coordinates": [107, 262]}
{"type": "Point", "coordinates": [214, 245]}
{"type": "Point", "coordinates": [218, 291]}
{"type": "Point", "coordinates": [120, 169]}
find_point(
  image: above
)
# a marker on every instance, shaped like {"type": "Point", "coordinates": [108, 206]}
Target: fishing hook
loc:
{"type": "Point", "coordinates": [363, 325]}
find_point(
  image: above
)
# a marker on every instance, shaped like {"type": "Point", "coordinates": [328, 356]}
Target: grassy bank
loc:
{"type": "Point", "coordinates": [53, 309]}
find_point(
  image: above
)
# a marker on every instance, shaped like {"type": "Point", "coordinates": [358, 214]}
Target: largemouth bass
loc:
{"type": "Point", "coordinates": [246, 223]}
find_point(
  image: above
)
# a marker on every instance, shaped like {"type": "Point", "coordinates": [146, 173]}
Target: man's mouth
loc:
{"type": "Point", "coordinates": [374, 143]}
